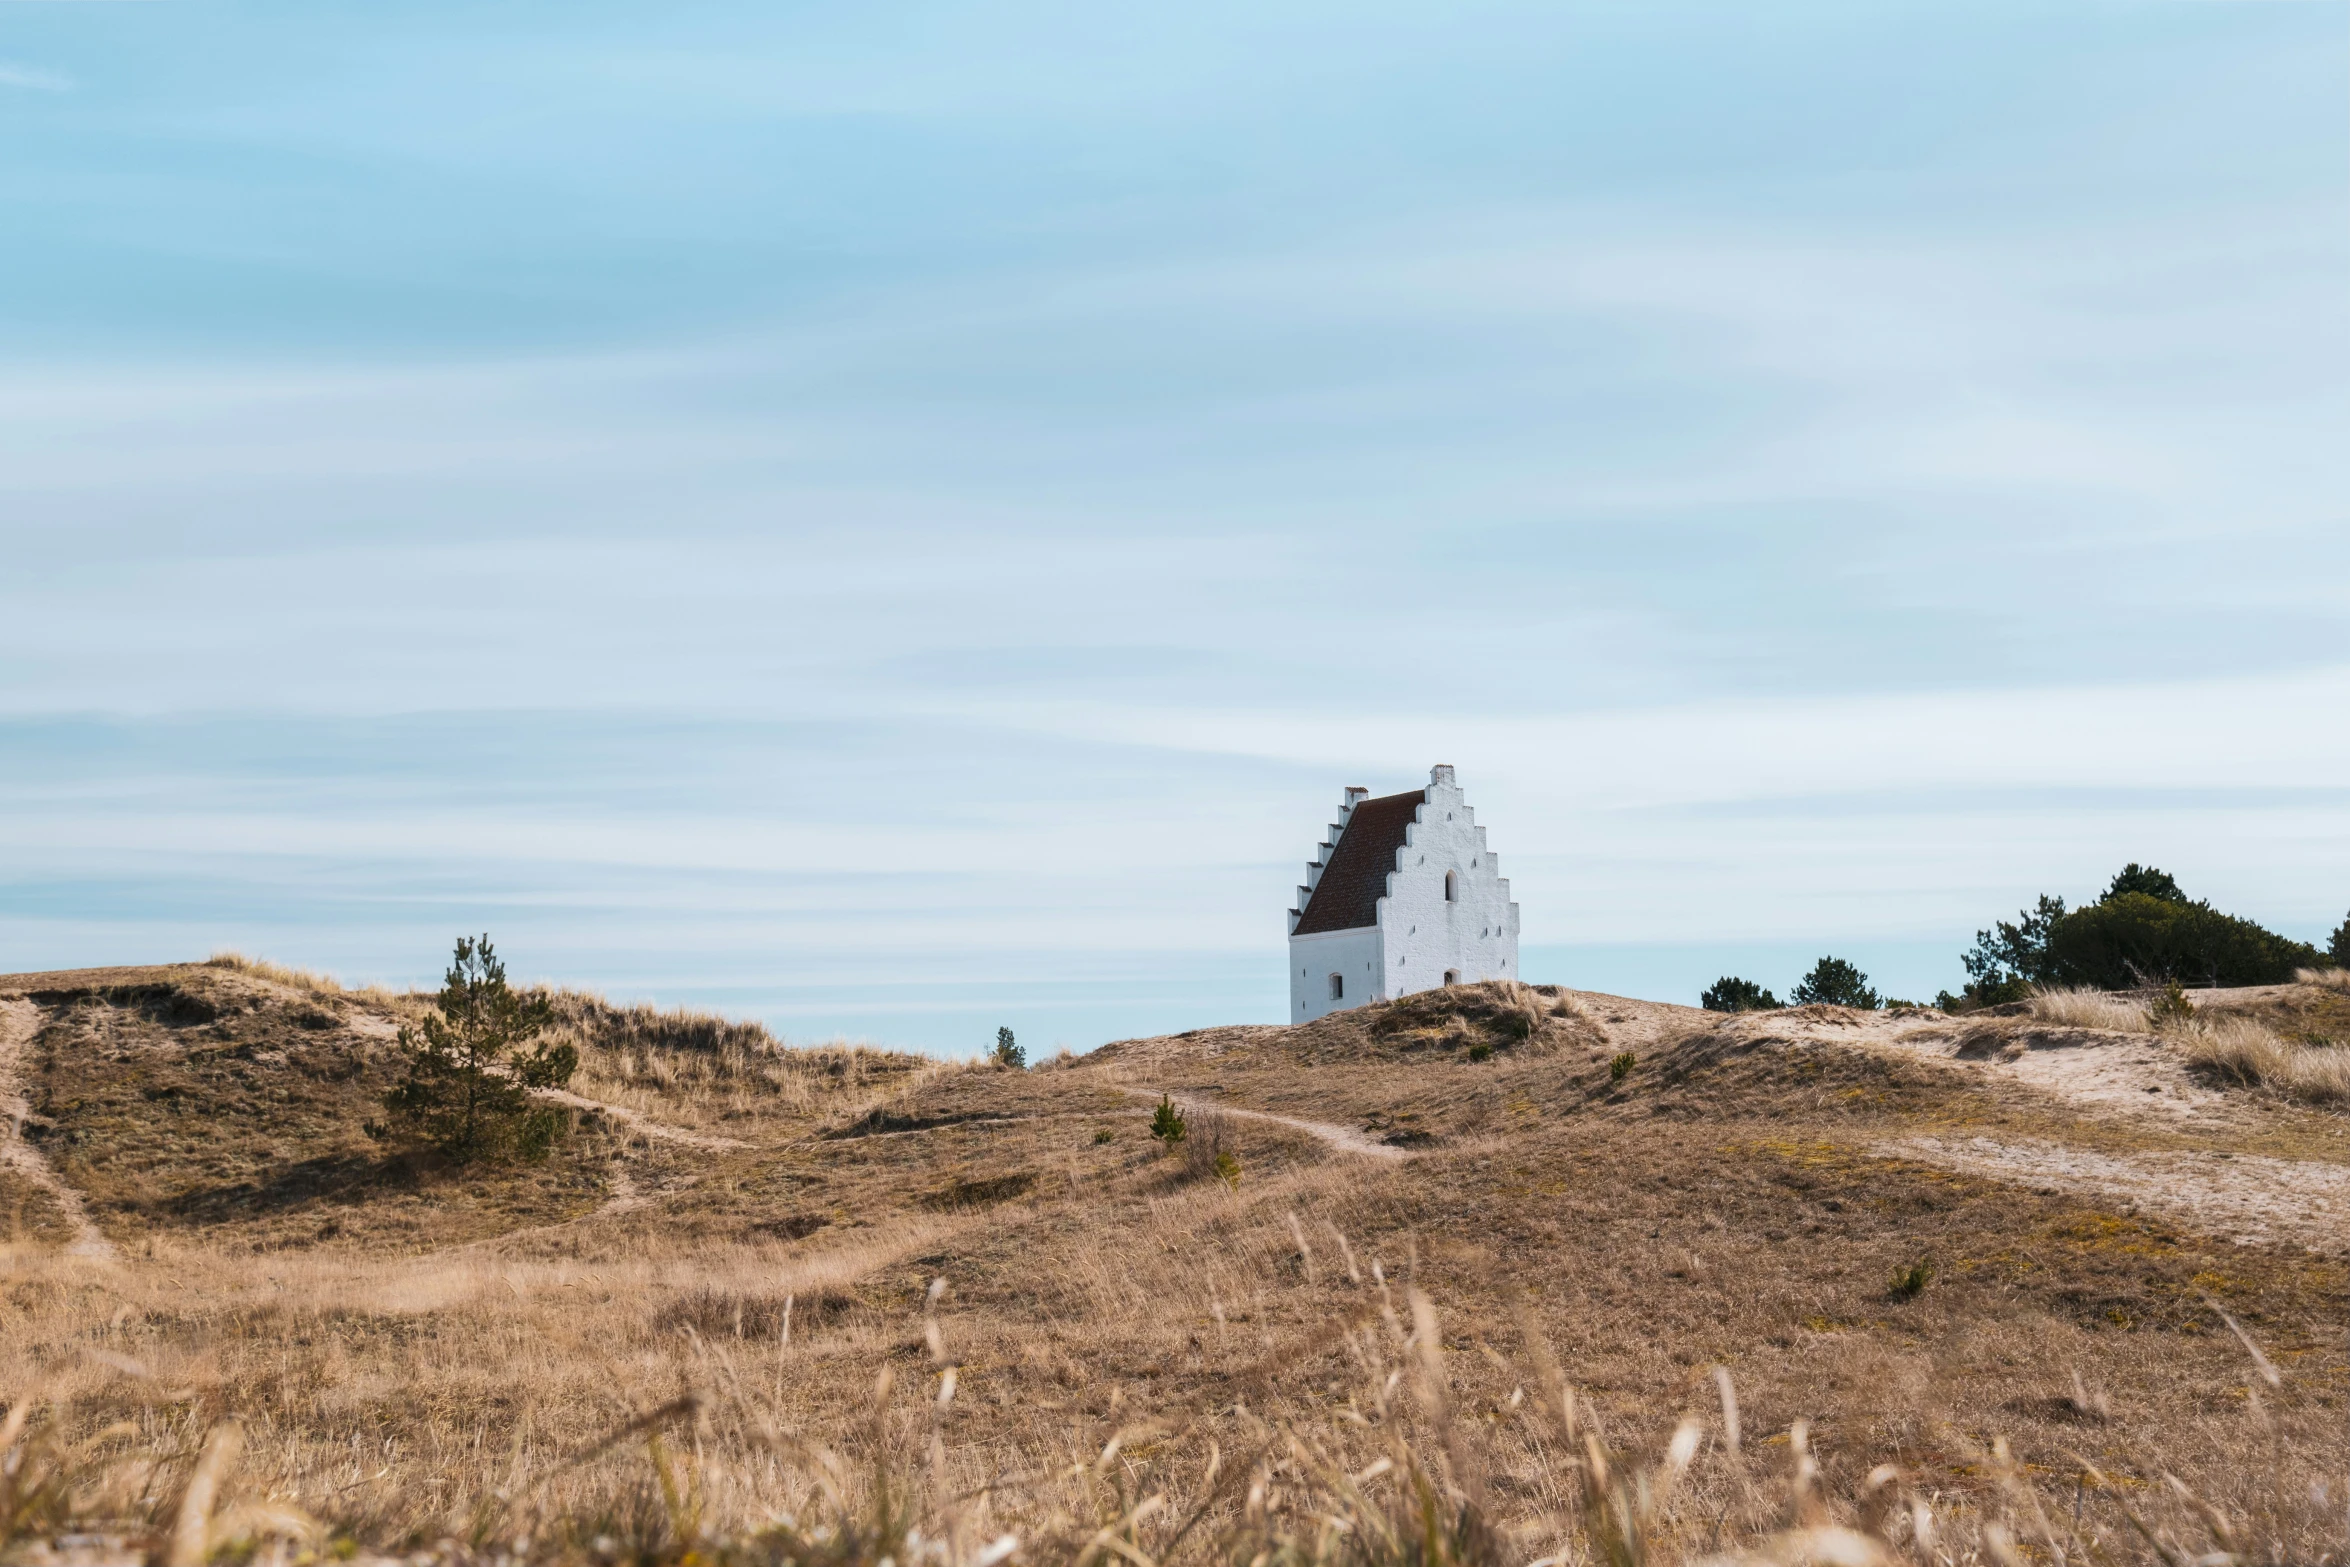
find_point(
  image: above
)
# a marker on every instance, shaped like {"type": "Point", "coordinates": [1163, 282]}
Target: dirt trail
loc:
{"type": "Point", "coordinates": [625, 1197]}
{"type": "Point", "coordinates": [1343, 1138]}
{"type": "Point", "coordinates": [641, 1124]}
{"type": "Point", "coordinates": [20, 1020]}
{"type": "Point", "coordinates": [2245, 1198]}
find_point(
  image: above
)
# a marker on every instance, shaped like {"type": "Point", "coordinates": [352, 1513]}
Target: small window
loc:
{"type": "Point", "coordinates": [1452, 976]}
{"type": "Point", "coordinates": [1452, 886]}
{"type": "Point", "coordinates": [1338, 987]}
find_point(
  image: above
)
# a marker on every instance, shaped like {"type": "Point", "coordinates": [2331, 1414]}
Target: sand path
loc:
{"type": "Point", "coordinates": [20, 1020]}
{"type": "Point", "coordinates": [2247, 1198]}
{"type": "Point", "coordinates": [642, 1125]}
{"type": "Point", "coordinates": [1344, 1138]}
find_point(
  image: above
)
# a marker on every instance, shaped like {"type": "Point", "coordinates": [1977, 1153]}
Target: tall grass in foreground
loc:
{"type": "Point", "coordinates": [1407, 1474]}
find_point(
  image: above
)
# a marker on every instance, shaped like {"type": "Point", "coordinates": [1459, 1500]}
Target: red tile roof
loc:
{"type": "Point", "coordinates": [1347, 897]}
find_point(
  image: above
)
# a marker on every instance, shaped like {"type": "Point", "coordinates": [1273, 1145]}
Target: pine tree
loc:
{"type": "Point", "coordinates": [467, 1088]}
{"type": "Point", "coordinates": [1732, 994]}
{"type": "Point", "coordinates": [1008, 1051]}
{"type": "Point", "coordinates": [1834, 982]}
{"type": "Point", "coordinates": [1167, 1123]}
{"type": "Point", "coordinates": [2145, 879]}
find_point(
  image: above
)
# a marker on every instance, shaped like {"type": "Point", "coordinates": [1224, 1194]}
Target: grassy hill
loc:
{"type": "Point", "coordinates": [788, 1304]}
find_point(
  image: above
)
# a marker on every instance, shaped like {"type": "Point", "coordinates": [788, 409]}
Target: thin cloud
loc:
{"type": "Point", "coordinates": [34, 79]}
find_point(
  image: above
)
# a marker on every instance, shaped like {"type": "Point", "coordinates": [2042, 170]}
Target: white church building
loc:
{"type": "Point", "coordinates": [1403, 896]}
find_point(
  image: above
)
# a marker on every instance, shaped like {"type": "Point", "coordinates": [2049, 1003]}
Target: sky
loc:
{"type": "Point", "coordinates": [902, 518]}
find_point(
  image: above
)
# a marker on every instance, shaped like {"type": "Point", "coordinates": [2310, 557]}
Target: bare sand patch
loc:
{"type": "Point", "coordinates": [2246, 1198]}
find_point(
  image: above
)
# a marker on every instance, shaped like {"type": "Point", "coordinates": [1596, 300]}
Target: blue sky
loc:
{"type": "Point", "coordinates": [895, 519]}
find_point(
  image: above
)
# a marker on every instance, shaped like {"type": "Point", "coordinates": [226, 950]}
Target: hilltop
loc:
{"type": "Point", "coordinates": [1918, 1235]}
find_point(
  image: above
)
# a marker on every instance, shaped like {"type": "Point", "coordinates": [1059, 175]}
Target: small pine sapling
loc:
{"type": "Point", "coordinates": [1167, 1121]}
{"type": "Point", "coordinates": [1621, 1067]}
{"type": "Point", "coordinates": [472, 1064]}
{"type": "Point", "coordinates": [1008, 1051]}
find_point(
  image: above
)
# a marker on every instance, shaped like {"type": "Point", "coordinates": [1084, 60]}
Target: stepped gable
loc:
{"type": "Point", "coordinates": [1347, 897]}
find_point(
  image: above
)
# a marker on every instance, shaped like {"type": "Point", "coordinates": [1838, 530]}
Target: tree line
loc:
{"type": "Point", "coordinates": [2142, 932]}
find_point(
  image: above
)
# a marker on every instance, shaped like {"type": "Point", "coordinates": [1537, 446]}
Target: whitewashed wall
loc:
{"type": "Point", "coordinates": [1353, 955]}
{"type": "Point", "coordinates": [1421, 935]}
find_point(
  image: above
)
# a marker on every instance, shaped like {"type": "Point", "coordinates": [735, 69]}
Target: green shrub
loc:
{"type": "Point", "coordinates": [1980, 993]}
{"type": "Point", "coordinates": [1910, 1282]}
{"type": "Point", "coordinates": [2144, 929]}
{"type": "Point", "coordinates": [466, 1092]}
{"type": "Point", "coordinates": [1167, 1121]}
{"type": "Point", "coordinates": [1621, 1067]}
{"type": "Point", "coordinates": [2134, 937]}
{"type": "Point", "coordinates": [2171, 1007]}
{"type": "Point", "coordinates": [1102, 1134]}
{"type": "Point", "coordinates": [1732, 994]}
{"type": "Point", "coordinates": [1836, 983]}
{"type": "Point", "coordinates": [1227, 1168]}
{"type": "Point", "coordinates": [1480, 1051]}
{"type": "Point", "coordinates": [2339, 948]}
{"type": "Point", "coordinates": [1008, 1051]}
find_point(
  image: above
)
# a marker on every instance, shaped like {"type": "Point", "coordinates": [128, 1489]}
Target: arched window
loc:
{"type": "Point", "coordinates": [1338, 987]}
{"type": "Point", "coordinates": [1452, 886]}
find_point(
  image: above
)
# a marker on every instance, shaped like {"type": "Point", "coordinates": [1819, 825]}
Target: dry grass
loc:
{"type": "Point", "coordinates": [2086, 1008]}
{"type": "Point", "coordinates": [701, 1070]}
{"type": "Point", "coordinates": [317, 984]}
{"type": "Point", "coordinates": [2246, 1051]}
{"type": "Point", "coordinates": [1398, 1454]}
{"type": "Point", "coordinates": [740, 1354]}
{"type": "Point", "coordinates": [732, 1085]}
{"type": "Point", "coordinates": [2327, 978]}
{"type": "Point", "coordinates": [1210, 1150]}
